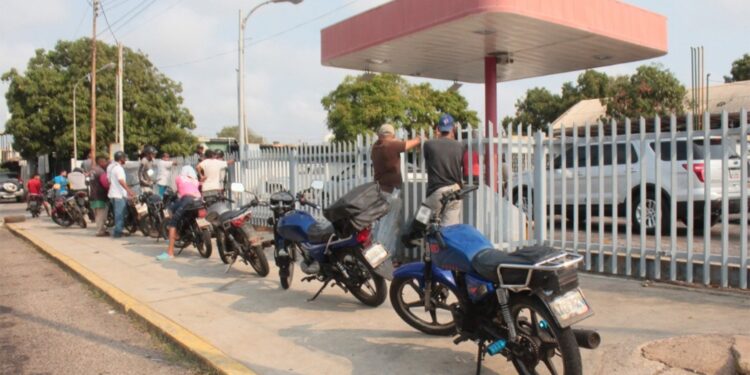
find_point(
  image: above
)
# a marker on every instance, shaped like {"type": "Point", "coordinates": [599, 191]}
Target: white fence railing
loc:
{"type": "Point", "coordinates": [652, 199]}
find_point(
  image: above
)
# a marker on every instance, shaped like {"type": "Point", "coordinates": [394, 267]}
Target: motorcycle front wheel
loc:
{"type": "Point", "coordinates": [546, 347]}
{"type": "Point", "coordinates": [257, 260]}
{"type": "Point", "coordinates": [61, 219]}
{"type": "Point", "coordinates": [408, 299]}
{"type": "Point", "coordinates": [221, 246]}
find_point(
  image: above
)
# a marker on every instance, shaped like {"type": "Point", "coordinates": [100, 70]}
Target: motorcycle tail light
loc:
{"type": "Point", "coordinates": [202, 213]}
{"type": "Point", "coordinates": [363, 237]}
{"type": "Point", "coordinates": [239, 221]}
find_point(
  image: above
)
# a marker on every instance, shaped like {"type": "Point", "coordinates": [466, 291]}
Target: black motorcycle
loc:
{"type": "Point", "coordinates": [77, 207]}
{"type": "Point", "coordinates": [151, 222]}
{"type": "Point", "coordinates": [234, 234]}
{"type": "Point", "coordinates": [192, 229]}
{"type": "Point", "coordinates": [59, 210]}
{"type": "Point", "coordinates": [131, 216]}
{"type": "Point", "coordinates": [36, 201]}
{"type": "Point", "coordinates": [521, 305]}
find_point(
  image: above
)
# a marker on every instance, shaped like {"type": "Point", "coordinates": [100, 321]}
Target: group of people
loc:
{"type": "Point", "coordinates": [444, 162]}
{"type": "Point", "coordinates": [107, 183]}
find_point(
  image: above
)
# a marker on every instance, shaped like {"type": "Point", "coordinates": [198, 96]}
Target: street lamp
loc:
{"type": "Point", "coordinates": [75, 125]}
{"type": "Point", "coordinates": [241, 70]}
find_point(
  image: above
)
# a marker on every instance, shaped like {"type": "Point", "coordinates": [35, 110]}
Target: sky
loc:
{"type": "Point", "coordinates": [195, 42]}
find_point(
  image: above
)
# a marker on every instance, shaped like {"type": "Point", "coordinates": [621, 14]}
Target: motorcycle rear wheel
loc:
{"type": "Point", "coordinates": [221, 246]}
{"type": "Point", "coordinates": [442, 298]}
{"type": "Point", "coordinates": [544, 358]}
{"type": "Point", "coordinates": [82, 222]}
{"type": "Point", "coordinates": [204, 243]}
{"type": "Point", "coordinates": [373, 291]}
{"type": "Point", "coordinates": [60, 220]}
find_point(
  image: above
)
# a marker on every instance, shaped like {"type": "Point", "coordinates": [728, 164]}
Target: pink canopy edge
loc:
{"type": "Point", "coordinates": [399, 18]}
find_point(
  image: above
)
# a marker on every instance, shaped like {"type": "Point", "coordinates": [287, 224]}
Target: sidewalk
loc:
{"type": "Point", "coordinates": [272, 331]}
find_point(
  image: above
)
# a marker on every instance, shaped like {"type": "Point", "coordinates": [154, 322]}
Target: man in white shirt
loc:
{"type": "Point", "coordinates": [119, 191]}
{"type": "Point", "coordinates": [212, 172]}
{"type": "Point", "coordinates": [163, 174]}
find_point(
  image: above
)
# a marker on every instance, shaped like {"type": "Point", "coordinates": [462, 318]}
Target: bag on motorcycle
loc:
{"type": "Point", "coordinates": [358, 209]}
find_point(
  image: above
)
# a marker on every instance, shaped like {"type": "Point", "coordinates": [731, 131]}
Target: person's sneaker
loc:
{"type": "Point", "coordinates": [163, 256]}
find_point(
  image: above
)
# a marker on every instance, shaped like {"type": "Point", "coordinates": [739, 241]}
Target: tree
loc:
{"type": "Point", "coordinates": [540, 107]}
{"type": "Point", "coordinates": [652, 90]}
{"type": "Point", "coordinates": [233, 131]}
{"type": "Point", "coordinates": [40, 103]}
{"type": "Point", "coordinates": [740, 70]}
{"type": "Point", "coordinates": [359, 105]}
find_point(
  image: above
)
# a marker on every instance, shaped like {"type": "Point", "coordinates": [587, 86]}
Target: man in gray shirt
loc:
{"type": "Point", "coordinates": [444, 161]}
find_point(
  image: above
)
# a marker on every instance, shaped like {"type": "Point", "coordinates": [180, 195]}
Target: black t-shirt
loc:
{"type": "Point", "coordinates": [444, 160]}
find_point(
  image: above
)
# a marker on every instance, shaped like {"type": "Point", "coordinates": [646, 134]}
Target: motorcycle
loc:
{"type": "Point", "coordinates": [192, 228]}
{"type": "Point", "coordinates": [347, 261]}
{"type": "Point", "coordinates": [131, 223]}
{"type": "Point", "coordinates": [59, 211]}
{"type": "Point", "coordinates": [520, 305]}
{"type": "Point", "coordinates": [151, 215]}
{"type": "Point", "coordinates": [76, 207]}
{"type": "Point", "coordinates": [36, 201]}
{"type": "Point", "coordinates": [234, 233]}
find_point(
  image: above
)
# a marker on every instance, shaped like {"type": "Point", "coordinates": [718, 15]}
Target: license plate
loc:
{"type": "Point", "coordinates": [202, 223]}
{"type": "Point", "coordinates": [141, 209]}
{"type": "Point", "coordinates": [376, 255]}
{"type": "Point", "coordinates": [423, 215]}
{"type": "Point", "coordinates": [735, 174]}
{"type": "Point", "coordinates": [569, 307]}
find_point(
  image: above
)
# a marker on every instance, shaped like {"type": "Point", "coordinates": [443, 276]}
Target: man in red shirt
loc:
{"type": "Point", "coordinates": [34, 186]}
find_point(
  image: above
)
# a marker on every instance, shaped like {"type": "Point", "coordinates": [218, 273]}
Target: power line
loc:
{"type": "Point", "coordinates": [154, 17]}
{"type": "Point", "coordinates": [80, 23]}
{"type": "Point", "coordinates": [136, 15]}
{"type": "Point", "coordinates": [109, 27]}
{"type": "Point", "coordinates": [266, 38]}
{"type": "Point", "coordinates": [116, 4]}
{"type": "Point", "coordinates": [128, 13]}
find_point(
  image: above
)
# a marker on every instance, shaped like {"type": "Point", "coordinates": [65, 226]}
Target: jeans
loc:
{"type": "Point", "coordinates": [388, 228]}
{"type": "Point", "coordinates": [452, 213]}
{"type": "Point", "coordinates": [119, 205]}
{"type": "Point", "coordinates": [178, 209]}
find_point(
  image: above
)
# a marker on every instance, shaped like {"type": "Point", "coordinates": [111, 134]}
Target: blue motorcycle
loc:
{"type": "Point", "coordinates": [520, 305]}
{"type": "Point", "coordinates": [348, 262]}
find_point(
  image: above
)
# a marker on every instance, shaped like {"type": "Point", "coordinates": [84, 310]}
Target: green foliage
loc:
{"type": "Point", "coordinates": [41, 99]}
{"type": "Point", "coordinates": [359, 105]}
{"type": "Point", "coordinates": [233, 131]}
{"type": "Point", "coordinates": [740, 69]}
{"type": "Point", "coordinates": [540, 107]}
{"type": "Point", "coordinates": [651, 91]}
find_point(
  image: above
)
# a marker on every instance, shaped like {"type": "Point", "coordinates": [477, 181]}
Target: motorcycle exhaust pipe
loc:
{"type": "Point", "coordinates": [587, 339]}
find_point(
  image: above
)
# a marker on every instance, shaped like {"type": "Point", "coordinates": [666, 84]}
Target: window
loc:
{"type": "Point", "coordinates": [699, 150]}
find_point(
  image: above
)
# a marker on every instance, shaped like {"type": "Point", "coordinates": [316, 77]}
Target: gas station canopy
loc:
{"type": "Point", "coordinates": [450, 39]}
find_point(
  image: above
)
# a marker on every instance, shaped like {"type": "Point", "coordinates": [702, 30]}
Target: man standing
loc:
{"type": "Point", "coordinates": [77, 181]}
{"type": "Point", "coordinates": [164, 172]}
{"type": "Point", "coordinates": [147, 163]}
{"type": "Point", "coordinates": [119, 191]}
{"type": "Point", "coordinates": [386, 165]}
{"type": "Point", "coordinates": [99, 190]}
{"type": "Point", "coordinates": [211, 171]}
{"type": "Point", "coordinates": [444, 161]}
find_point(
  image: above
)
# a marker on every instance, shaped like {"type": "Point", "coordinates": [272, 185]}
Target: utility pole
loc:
{"type": "Point", "coordinates": [241, 87]}
{"type": "Point", "coordinates": [120, 123]}
{"type": "Point", "coordinates": [93, 84]}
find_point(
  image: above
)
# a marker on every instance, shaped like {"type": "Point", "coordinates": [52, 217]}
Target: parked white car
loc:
{"type": "Point", "coordinates": [679, 192]}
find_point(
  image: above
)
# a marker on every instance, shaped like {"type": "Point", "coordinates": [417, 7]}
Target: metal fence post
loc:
{"type": "Point", "coordinates": [540, 191]}
{"type": "Point", "coordinates": [293, 156]}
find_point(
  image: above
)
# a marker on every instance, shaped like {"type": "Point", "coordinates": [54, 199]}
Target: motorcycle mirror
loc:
{"type": "Point", "coordinates": [237, 187]}
{"type": "Point", "coordinates": [317, 185]}
{"type": "Point", "coordinates": [150, 172]}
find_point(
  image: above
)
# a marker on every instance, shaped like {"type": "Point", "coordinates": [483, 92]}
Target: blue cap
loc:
{"type": "Point", "coordinates": [446, 123]}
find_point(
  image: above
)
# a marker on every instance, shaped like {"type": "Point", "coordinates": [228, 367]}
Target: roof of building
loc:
{"type": "Point", "coordinates": [729, 97]}
{"type": "Point", "coordinates": [449, 39]}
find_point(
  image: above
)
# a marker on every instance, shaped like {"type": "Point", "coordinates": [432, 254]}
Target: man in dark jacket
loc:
{"type": "Point", "coordinates": [99, 187]}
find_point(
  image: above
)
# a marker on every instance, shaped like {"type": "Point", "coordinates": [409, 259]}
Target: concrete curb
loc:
{"type": "Point", "coordinates": [191, 342]}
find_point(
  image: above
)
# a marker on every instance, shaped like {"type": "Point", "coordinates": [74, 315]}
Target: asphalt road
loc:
{"type": "Point", "coordinates": [52, 324]}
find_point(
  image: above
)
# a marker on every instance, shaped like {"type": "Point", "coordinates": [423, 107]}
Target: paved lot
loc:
{"type": "Point", "coordinates": [278, 332]}
{"type": "Point", "coordinates": [51, 324]}
{"type": "Point", "coordinates": [681, 238]}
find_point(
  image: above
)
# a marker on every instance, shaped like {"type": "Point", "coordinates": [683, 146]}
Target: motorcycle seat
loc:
{"type": "Point", "coordinates": [320, 232]}
{"type": "Point", "coordinates": [229, 215]}
{"type": "Point", "coordinates": [194, 205]}
{"type": "Point", "coordinates": [486, 261]}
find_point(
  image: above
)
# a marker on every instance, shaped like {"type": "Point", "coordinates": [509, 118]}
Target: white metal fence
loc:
{"type": "Point", "coordinates": [584, 191]}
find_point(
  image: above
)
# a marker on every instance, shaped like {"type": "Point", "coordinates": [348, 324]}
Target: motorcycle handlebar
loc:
{"type": "Point", "coordinates": [458, 194]}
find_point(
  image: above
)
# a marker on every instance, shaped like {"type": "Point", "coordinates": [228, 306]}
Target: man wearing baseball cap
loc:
{"type": "Point", "coordinates": [444, 162]}
{"type": "Point", "coordinates": [386, 165]}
